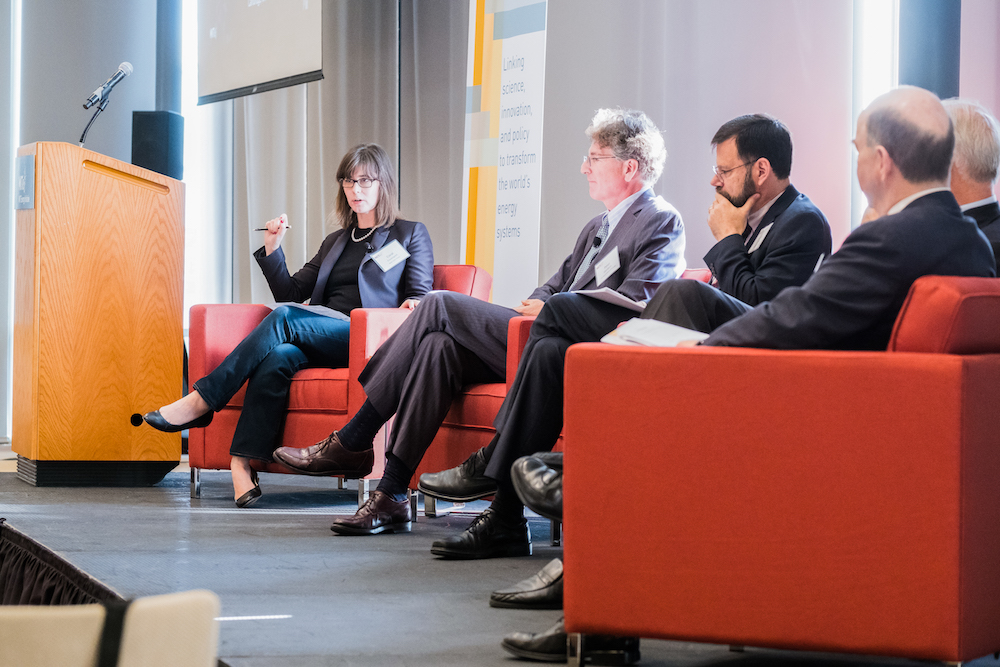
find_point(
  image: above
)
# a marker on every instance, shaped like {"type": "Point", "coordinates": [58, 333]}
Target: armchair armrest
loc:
{"type": "Point", "coordinates": [517, 337]}
{"type": "Point", "coordinates": [215, 330]}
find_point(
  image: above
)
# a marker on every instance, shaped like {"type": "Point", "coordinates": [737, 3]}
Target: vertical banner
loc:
{"type": "Point", "coordinates": [503, 143]}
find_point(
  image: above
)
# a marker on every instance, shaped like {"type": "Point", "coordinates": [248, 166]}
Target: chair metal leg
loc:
{"type": "Point", "coordinates": [340, 482]}
{"type": "Point", "coordinates": [413, 503]}
{"type": "Point", "coordinates": [364, 490]}
{"type": "Point", "coordinates": [433, 510]}
{"type": "Point", "coordinates": [574, 649]}
{"type": "Point", "coordinates": [196, 482]}
{"type": "Point", "coordinates": [556, 533]}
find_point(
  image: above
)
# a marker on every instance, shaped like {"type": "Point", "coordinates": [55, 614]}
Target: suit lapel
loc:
{"type": "Point", "coordinates": [620, 235]}
{"type": "Point", "coordinates": [324, 269]}
{"type": "Point", "coordinates": [777, 208]}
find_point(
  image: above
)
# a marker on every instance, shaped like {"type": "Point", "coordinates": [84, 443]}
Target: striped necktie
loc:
{"type": "Point", "coordinates": [602, 235]}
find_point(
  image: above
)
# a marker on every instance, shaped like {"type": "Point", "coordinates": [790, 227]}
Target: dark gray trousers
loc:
{"type": "Point", "coordinates": [451, 340]}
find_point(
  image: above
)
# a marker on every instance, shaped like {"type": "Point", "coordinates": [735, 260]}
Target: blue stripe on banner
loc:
{"type": "Point", "coordinates": [520, 21]}
{"type": "Point", "coordinates": [473, 99]}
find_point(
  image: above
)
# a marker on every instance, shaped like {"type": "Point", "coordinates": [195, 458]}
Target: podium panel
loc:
{"type": "Point", "coordinates": [98, 318]}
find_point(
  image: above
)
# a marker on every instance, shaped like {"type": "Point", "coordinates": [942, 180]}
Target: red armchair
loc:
{"type": "Point", "coordinates": [321, 399]}
{"type": "Point", "coordinates": [815, 500]}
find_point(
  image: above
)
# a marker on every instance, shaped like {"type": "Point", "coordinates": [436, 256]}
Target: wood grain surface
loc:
{"type": "Point", "coordinates": [98, 308]}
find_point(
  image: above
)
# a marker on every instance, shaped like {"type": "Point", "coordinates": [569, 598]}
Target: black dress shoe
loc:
{"type": "Point", "coordinates": [551, 459]}
{"type": "Point", "coordinates": [550, 646]}
{"type": "Point", "coordinates": [155, 420]}
{"type": "Point", "coordinates": [488, 536]}
{"type": "Point", "coordinates": [460, 484]}
{"type": "Point", "coordinates": [538, 486]}
{"type": "Point", "coordinates": [539, 591]}
{"type": "Point", "coordinates": [380, 514]}
{"type": "Point", "coordinates": [251, 496]}
{"type": "Point", "coordinates": [327, 457]}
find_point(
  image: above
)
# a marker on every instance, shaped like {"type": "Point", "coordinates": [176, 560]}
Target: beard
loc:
{"type": "Point", "coordinates": [749, 190]}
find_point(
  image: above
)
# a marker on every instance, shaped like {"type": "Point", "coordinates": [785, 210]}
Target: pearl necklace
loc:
{"type": "Point", "coordinates": [356, 239]}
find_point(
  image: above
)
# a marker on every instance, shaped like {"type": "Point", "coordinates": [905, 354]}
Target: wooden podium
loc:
{"type": "Point", "coordinates": [98, 319]}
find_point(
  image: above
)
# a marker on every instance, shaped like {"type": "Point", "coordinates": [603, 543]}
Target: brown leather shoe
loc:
{"type": "Point", "coordinates": [327, 457]}
{"type": "Point", "coordinates": [379, 514]}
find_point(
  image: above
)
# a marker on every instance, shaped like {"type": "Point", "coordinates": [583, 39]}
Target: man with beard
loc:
{"type": "Point", "coordinates": [770, 237]}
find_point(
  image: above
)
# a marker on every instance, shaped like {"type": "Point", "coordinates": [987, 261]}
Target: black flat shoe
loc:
{"type": "Point", "coordinates": [160, 424]}
{"type": "Point", "coordinates": [251, 496]}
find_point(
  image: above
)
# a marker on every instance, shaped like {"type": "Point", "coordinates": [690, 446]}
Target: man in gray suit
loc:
{"type": "Point", "coordinates": [452, 340]}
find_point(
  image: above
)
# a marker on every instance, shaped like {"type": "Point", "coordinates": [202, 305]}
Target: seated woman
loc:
{"type": "Point", "coordinates": [357, 266]}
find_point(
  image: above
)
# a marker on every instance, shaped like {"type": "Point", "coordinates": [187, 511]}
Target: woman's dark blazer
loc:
{"type": "Point", "coordinates": [410, 279]}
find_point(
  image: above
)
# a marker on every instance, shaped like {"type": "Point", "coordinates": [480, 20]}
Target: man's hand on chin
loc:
{"type": "Point", "coordinates": [529, 307]}
{"type": "Point", "coordinates": [724, 219]}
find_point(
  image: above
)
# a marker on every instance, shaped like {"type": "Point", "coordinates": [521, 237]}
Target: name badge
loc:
{"type": "Point", "coordinates": [390, 255]}
{"type": "Point", "coordinates": [605, 268]}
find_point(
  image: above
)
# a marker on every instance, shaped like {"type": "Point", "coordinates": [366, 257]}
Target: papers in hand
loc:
{"type": "Point", "coordinates": [610, 296]}
{"type": "Point", "coordinates": [652, 333]}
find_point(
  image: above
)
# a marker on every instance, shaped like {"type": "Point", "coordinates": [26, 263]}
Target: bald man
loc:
{"type": "Point", "coordinates": [976, 165]}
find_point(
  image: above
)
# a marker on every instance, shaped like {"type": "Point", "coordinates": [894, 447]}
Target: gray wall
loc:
{"type": "Point", "coordinates": [70, 48]}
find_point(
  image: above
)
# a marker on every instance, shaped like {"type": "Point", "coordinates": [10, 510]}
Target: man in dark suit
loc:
{"type": "Point", "coordinates": [904, 141]}
{"type": "Point", "coordinates": [976, 165]}
{"type": "Point", "coordinates": [769, 237]}
{"type": "Point", "coordinates": [452, 340]}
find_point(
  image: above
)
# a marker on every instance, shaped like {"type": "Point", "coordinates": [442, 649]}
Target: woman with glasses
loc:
{"type": "Point", "coordinates": [375, 260]}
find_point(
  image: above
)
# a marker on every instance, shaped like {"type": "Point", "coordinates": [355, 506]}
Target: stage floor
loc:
{"type": "Point", "coordinates": [295, 595]}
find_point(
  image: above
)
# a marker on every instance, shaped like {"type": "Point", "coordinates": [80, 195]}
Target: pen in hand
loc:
{"type": "Point", "coordinates": [281, 217]}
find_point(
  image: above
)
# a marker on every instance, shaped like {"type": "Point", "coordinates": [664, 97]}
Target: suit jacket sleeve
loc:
{"type": "Point", "coordinates": [657, 255]}
{"type": "Point", "coordinates": [797, 238]}
{"type": "Point", "coordinates": [419, 275]}
{"type": "Point", "coordinates": [296, 287]}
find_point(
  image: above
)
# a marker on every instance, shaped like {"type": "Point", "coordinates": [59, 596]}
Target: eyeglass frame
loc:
{"type": "Point", "coordinates": [587, 159]}
{"type": "Point", "coordinates": [721, 173]}
{"type": "Point", "coordinates": [349, 182]}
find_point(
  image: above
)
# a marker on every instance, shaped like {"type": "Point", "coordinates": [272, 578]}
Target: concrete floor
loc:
{"type": "Point", "coordinates": [327, 600]}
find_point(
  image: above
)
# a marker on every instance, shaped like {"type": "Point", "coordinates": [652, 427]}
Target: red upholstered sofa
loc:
{"type": "Point", "coordinates": [321, 399]}
{"type": "Point", "coordinates": [817, 500]}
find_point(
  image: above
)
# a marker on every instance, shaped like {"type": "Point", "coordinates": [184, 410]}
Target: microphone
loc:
{"type": "Point", "coordinates": [123, 71]}
{"type": "Point", "coordinates": [368, 248]}
{"type": "Point", "coordinates": [597, 241]}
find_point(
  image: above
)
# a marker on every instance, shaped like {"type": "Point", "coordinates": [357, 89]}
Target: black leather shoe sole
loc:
{"type": "Point", "coordinates": [251, 496]}
{"type": "Point", "coordinates": [476, 494]}
{"type": "Point", "coordinates": [347, 529]}
{"type": "Point", "coordinates": [155, 420]}
{"type": "Point", "coordinates": [535, 655]}
{"type": "Point", "coordinates": [498, 551]}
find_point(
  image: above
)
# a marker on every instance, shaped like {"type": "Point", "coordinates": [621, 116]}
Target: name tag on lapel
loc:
{"type": "Point", "coordinates": [605, 268]}
{"type": "Point", "coordinates": [389, 255]}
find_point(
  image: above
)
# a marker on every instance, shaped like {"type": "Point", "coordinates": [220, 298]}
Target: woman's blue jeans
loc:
{"type": "Point", "coordinates": [286, 341]}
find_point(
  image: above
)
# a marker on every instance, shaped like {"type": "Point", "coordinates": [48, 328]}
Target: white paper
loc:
{"type": "Point", "coordinates": [390, 255]}
{"type": "Point", "coordinates": [608, 295]}
{"type": "Point", "coordinates": [652, 333]}
{"type": "Point", "coordinates": [605, 268]}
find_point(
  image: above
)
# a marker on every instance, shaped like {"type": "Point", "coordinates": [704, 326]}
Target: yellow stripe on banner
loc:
{"type": "Point", "coordinates": [486, 217]}
{"type": "Point", "coordinates": [490, 89]}
{"type": "Point", "coordinates": [477, 67]}
{"type": "Point", "coordinates": [470, 229]}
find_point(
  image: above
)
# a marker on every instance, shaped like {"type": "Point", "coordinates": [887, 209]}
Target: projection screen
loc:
{"type": "Point", "coordinates": [251, 46]}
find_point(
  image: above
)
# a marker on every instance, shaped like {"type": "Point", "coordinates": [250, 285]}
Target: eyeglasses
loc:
{"type": "Point", "coordinates": [364, 182]}
{"type": "Point", "coordinates": [721, 173]}
{"type": "Point", "coordinates": [587, 159]}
